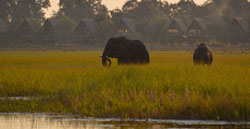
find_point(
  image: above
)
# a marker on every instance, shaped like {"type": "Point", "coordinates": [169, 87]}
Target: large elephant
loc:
{"type": "Point", "coordinates": [203, 55]}
{"type": "Point", "coordinates": [126, 51]}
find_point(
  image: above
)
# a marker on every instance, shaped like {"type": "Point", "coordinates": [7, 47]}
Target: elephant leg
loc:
{"type": "Point", "coordinates": [196, 62]}
{"type": "Point", "coordinates": [207, 60]}
{"type": "Point", "coordinates": [121, 61]}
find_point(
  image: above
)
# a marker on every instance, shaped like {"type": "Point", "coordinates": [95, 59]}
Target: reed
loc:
{"type": "Point", "coordinates": [170, 87]}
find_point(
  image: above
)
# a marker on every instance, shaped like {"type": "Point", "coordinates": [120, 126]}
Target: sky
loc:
{"type": "Point", "coordinates": [111, 4]}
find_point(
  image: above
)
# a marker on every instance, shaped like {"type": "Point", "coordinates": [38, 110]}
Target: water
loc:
{"type": "Point", "coordinates": [43, 121]}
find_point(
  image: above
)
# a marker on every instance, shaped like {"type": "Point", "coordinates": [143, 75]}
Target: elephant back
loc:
{"type": "Point", "coordinates": [203, 55]}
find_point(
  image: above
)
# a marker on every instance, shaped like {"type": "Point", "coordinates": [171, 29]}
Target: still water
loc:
{"type": "Point", "coordinates": [43, 121]}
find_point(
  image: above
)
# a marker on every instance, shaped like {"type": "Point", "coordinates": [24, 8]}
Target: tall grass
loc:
{"type": "Point", "coordinates": [170, 87]}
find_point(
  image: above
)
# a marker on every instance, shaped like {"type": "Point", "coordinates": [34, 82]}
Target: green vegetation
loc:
{"type": "Point", "coordinates": [170, 87]}
{"type": "Point", "coordinates": [152, 18]}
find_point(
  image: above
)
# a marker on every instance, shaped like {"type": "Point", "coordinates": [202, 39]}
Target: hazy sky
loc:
{"type": "Point", "coordinates": [111, 4]}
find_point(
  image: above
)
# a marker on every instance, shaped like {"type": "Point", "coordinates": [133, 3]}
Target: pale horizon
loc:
{"type": "Point", "coordinates": [111, 4]}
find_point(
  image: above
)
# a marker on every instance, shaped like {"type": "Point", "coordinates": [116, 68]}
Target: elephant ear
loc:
{"type": "Point", "coordinates": [116, 47]}
{"type": "Point", "coordinates": [110, 43]}
{"type": "Point", "coordinates": [122, 46]}
{"type": "Point", "coordinates": [109, 47]}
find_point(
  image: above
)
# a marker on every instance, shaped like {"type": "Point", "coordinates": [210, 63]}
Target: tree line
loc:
{"type": "Point", "coordinates": [151, 16]}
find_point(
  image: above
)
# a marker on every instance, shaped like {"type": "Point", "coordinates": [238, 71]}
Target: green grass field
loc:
{"type": "Point", "coordinates": [170, 87]}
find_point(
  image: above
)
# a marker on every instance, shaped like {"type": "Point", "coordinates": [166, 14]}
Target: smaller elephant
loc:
{"type": "Point", "coordinates": [125, 51]}
{"type": "Point", "coordinates": [203, 55]}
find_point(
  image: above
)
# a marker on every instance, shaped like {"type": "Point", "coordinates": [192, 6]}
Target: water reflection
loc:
{"type": "Point", "coordinates": [42, 121]}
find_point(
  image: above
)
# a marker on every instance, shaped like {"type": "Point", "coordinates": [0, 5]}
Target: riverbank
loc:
{"type": "Point", "coordinates": [169, 88]}
{"type": "Point", "coordinates": [44, 121]}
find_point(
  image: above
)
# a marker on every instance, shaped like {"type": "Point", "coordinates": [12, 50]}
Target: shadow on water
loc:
{"type": "Point", "coordinates": [43, 121]}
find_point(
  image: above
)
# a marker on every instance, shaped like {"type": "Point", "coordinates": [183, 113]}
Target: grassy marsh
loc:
{"type": "Point", "coordinates": [170, 87]}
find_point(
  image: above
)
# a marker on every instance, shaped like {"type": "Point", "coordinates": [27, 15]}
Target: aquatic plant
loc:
{"type": "Point", "coordinates": [170, 87]}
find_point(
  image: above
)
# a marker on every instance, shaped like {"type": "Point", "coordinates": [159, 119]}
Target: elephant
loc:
{"type": "Point", "coordinates": [203, 55]}
{"type": "Point", "coordinates": [126, 51]}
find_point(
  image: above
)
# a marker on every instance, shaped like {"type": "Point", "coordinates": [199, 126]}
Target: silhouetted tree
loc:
{"type": "Point", "coordinates": [77, 9]}
{"type": "Point", "coordinates": [6, 7]}
{"type": "Point", "coordinates": [156, 28]}
{"type": "Point", "coordinates": [30, 9]}
{"type": "Point", "coordinates": [105, 30]}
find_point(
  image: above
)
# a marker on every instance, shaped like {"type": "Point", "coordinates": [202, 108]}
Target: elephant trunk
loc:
{"type": "Point", "coordinates": [105, 59]}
